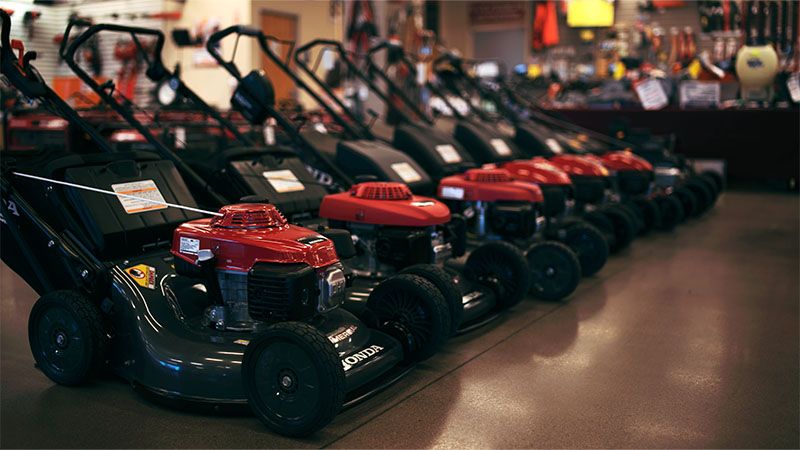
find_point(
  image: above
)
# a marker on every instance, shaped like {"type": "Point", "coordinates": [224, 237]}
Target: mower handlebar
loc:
{"type": "Point", "coordinates": [5, 33]}
{"type": "Point", "coordinates": [303, 49]}
{"type": "Point", "coordinates": [69, 54]}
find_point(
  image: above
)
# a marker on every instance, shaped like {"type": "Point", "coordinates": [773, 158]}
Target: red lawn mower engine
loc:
{"type": "Point", "coordinates": [392, 227]}
{"type": "Point", "coordinates": [259, 268]}
{"type": "Point", "coordinates": [494, 204]}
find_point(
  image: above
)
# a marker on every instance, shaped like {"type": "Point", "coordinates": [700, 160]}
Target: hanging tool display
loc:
{"type": "Point", "coordinates": [28, 21]}
{"type": "Point", "coordinates": [90, 53]}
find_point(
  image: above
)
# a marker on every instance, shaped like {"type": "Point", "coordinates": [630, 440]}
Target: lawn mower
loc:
{"type": "Point", "coordinates": [386, 232]}
{"type": "Point", "coordinates": [446, 161]}
{"type": "Point", "coordinates": [238, 309]}
{"type": "Point", "coordinates": [504, 204]}
{"type": "Point", "coordinates": [489, 140]}
{"type": "Point", "coordinates": [696, 192]}
{"type": "Point", "coordinates": [593, 188]}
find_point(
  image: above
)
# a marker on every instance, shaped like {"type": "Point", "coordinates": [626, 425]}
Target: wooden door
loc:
{"type": "Point", "coordinates": [281, 26]}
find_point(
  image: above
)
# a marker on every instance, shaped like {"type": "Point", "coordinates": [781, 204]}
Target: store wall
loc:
{"type": "Point", "coordinates": [314, 22]}
{"type": "Point", "coordinates": [454, 27]}
{"type": "Point", "coordinates": [212, 83]}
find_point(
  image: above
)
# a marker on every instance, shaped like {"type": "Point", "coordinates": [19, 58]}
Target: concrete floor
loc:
{"type": "Point", "coordinates": [688, 339]}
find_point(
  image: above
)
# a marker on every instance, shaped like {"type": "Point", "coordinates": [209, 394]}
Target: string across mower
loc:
{"type": "Point", "coordinates": [242, 308]}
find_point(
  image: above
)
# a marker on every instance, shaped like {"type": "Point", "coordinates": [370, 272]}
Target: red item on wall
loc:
{"type": "Point", "coordinates": [545, 25]}
{"type": "Point", "coordinates": [663, 4]}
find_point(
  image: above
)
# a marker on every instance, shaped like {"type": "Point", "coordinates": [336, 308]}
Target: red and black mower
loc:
{"type": "Point", "coordinates": [240, 309]}
{"type": "Point", "coordinates": [673, 181]}
{"type": "Point", "coordinates": [494, 137]}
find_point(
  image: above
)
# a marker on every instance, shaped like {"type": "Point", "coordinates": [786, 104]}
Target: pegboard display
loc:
{"type": "Point", "coordinates": [53, 21]}
{"type": "Point", "coordinates": [626, 12]}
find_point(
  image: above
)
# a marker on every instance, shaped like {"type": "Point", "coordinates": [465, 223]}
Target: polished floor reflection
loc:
{"type": "Point", "coordinates": [688, 339]}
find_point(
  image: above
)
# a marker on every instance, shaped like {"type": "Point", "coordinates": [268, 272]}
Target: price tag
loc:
{"type": "Point", "coordinates": [269, 132]}
{"type": "Point", "coordinates": [702, 94]}
{"type": "Point", "coordinates": [283, 181]}
{"type": "Point", "coordinates": [147, 193]}
{"type": "Point", "coordinates": [554, 146]}
{"type": "Point", "coordinates": [500, 147]}
{"type": "Point", "coordinates": [328, 60]}
{"type": "Point", "coordinates": [180, 137]}
{"type": "Point", "coordinates": [448, 153]}
{"type": "Point", "coordinates": [320, 128]}
{"type": "Point", "coordinates": [651, 94]}
{"type": "Point", "coordinates": [793, 83]}
{"type": "Point", "coordinates": [406, 172]}
{"type": "Point", "coordinates": [422, 74]}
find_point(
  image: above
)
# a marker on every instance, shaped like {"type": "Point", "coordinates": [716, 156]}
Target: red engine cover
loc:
{"type": "Point", "coordinates": [537, 170]}
{"type": "Point", "coordinates": [489, 185]}
{"type": "Point", "coordinates": [581, 165]}
{"type": "Point", "coordinates": [623, 160]}
{"type": "Point", "coordinates": [248, 233]}
{"type": "Point", "coordinates": [384, 203]}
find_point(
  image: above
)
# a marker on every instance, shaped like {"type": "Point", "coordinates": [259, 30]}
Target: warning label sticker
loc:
{"type": "Point", "coordinates": [148, 197]}
{"type": "Point", "coordinates": [448, 153]}
{"type": "Point", "coordinates": [500, 147]}
{"type": "Point", "coordinates": [143, 275]}
{"type": "Point", "coordinates": [283, 181]}
{"type": "Point", "coordinates": [189, 246]}
{"type": "Point", "coordinates": [456, 193]}
{"type": "Point", "coordinates": [406, 172]}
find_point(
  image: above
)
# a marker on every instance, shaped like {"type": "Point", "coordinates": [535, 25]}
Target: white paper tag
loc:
{"type": "Point", "coordinates": [283, 181]}
{"type": "Point", "coordinates": [500, 147]}
{"type": "Point", "coordinates": [189, 246]}
{"type": "Point", "coordinates": [406, 172]}
{"type": "Point", "coordinates": [146, 190]}
{"type": "Point", "coordinates": [328, 59]}
{"type": "Point", "coordinates": [448, 153]}
{"type": "Point", "coordinates": [269, 134]}
{"type": "Point", "coordinates": [180, 137]}
{"type": "Point", "coordinates": [451, 192]}
{"type": "Point", "coordinates": [320, 128]}
{"type": "Point", "coordinates": [554, 146]}
{"type": "Point", "coordinates": [793, 83]}
{"type": "Point", "coordinates": [651, 94]}
{"type": "Point", "coordinates": [421, 73]}
{"type": "Point", "coordinates": [703, 94]}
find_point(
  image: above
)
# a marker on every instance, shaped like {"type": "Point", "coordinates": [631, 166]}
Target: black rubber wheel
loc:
{"type": "Point", "coordinates": [688, 200]}
{"type": "Point", "coordinates": [504, 268]}
{"type": "Point", "coordinates": [715, 178]}
{"type": "Point", "coordinates": [443, 281]}
{"type": "Point", "coordinates": [412, 310]}
{"type": "Point", "coordinates": [671, 210]}
{"type": "Point", "coordinates": [704, 194]}
{"type": "Point", "coordinates": [634, 214]}
{"type": "Point", "coordinates": [650, 213]}
{"type": "Point", "coordinates": [603, 224]}
{"type": "Point", "coordinates": [624, 228]}
{"type": "Point", "coordinates": [589, 246]}
{"type": "Point", "coordinates": [709, 183]}
{"type": "Point", "coordinates": [293, 378]}
{"type": "Point", "coordinates": [67, 337]}
{"type": "Point", "coordinates": [555, 270]}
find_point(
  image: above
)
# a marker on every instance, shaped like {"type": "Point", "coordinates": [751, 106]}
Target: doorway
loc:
{"type": "Point", "coordinates": [282, 26]}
